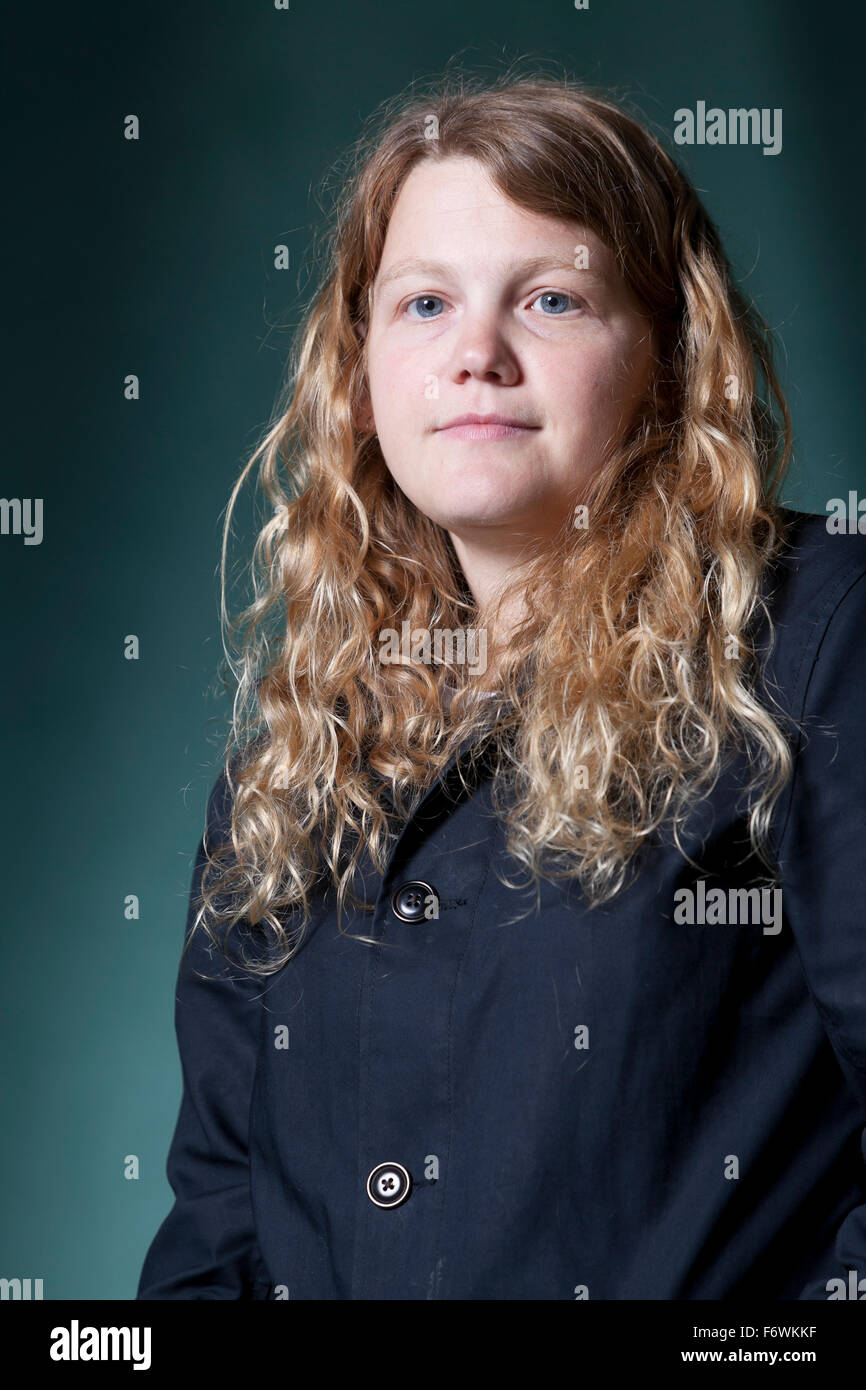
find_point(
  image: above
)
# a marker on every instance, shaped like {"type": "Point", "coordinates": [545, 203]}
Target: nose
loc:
{"type": "Point", "coordinates": [482, 350]}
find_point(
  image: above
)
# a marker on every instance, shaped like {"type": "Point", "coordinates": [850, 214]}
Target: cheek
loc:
{"type": "Point", "coordinates": [596, 385]}
{"type": "Point", "coordinates": [581, 394]}
{"type": "Point", "coordinates": [397, 415]}
{"type": "Point", "coordinates": [396, 390]}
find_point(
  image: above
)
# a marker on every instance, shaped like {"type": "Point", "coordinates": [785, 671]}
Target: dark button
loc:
{"type": "Point", "coordinates": [410, 900]}
{"type": "Point", "coordinates": [388, 1185]}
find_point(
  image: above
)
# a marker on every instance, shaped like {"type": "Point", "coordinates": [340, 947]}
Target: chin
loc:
{"type": "Point", "coordinates": [472, 520]}
{"type": "Point", "coordinates": [462, 504]}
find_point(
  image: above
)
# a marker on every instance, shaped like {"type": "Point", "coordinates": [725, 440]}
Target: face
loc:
{"type": "Point", "coordinates": [482, 308]}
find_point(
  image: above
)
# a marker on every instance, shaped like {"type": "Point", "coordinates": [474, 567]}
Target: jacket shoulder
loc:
{"type": "Point", "coordinates": [815, 572]}
{"type": "Point", "coordinates": [814, 561]}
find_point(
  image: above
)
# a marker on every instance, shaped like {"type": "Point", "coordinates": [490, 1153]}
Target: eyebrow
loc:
{"type": "Point", "coordinates": [414, 265]}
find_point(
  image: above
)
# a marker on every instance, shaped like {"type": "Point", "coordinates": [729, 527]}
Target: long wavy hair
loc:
{"type": "Point", "coordinates": [633, 670]}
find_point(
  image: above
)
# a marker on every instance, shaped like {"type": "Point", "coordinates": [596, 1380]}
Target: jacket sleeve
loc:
{"type": "Point", "coordinates": [206, 1247]}
{"type": "Point", "coordinates": [823, 859]}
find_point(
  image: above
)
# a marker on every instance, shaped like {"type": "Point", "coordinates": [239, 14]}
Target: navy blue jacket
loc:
{"type": "Point", "coordinates": [613, 1103]}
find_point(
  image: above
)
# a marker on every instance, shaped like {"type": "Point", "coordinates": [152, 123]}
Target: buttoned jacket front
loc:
{"type": "Point", "coordinates": [605, 1103]}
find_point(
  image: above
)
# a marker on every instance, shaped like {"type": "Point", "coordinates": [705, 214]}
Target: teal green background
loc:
{"type": "Point", "coordinates": [156, 257]}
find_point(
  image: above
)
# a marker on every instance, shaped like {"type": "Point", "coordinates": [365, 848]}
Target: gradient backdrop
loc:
{"type": "Point", "coordinates": [156, 257]}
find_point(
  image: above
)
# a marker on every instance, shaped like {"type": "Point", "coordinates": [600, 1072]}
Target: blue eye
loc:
{"type": "Point", "coordinates": [427, 304]}
{"type": "Point", "coordinates": [565, 300]}
{"type": "Point", "coordinates": [425, 299]}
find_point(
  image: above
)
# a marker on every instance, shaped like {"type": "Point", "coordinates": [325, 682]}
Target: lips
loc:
{"type": "Point", "coordinates": [486, 427]}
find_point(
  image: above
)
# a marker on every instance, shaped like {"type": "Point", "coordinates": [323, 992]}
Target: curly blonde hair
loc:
{"type": "Point", "coordinates": [617, 692]}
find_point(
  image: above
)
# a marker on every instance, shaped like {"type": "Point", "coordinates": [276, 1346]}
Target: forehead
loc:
{"type": "Point", "coordinates": [452, 206]}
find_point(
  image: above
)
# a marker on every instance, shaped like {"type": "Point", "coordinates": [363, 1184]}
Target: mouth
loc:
{"type": "Point", "coordinates": [486, 427]}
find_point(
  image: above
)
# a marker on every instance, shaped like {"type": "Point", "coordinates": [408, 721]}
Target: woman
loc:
{"type": "Point", "coordinates": [529, 615]}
